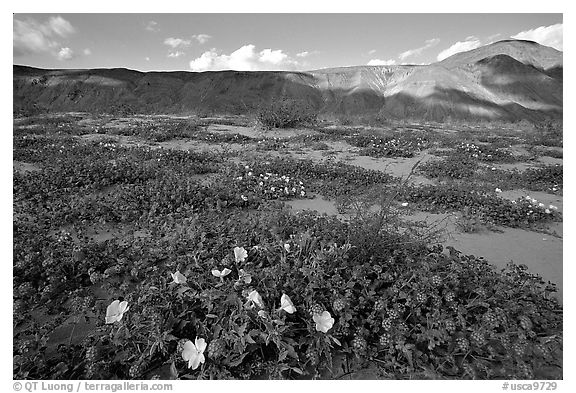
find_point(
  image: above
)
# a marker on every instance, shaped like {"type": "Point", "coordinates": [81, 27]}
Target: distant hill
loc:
{"type": "Point", "coordinates": [506, 80]}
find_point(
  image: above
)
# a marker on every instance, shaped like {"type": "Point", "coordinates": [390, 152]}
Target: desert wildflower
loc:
{"type": "Point", "coordinates": [287, 247]}
{"type": "Point", "coordinates": [286, 304]}
{"type": "Point", "coordinates": [116, 310]}
{"type": "Point", "coordinates": [547, 211]}
{"type": "Point", "coordinates": [324, 321]}
{"type": "Point", "coordinates": [240, 254]}
{"type": "Point", "coordinates": [221, 274]}
{"type": "Point", "coordinates": [498, 190]}
{"type": "Point", "coordinates": [178, 277]}
{"type": "Point", "coordinates": [193, 353]}
{"type": "Point", "coordinates": [302, 193]}
{"type": "Point", "coordinates": [404, 204]}
{"type": "Point", "coordinates": [255, 298]}
{"type": "Point", "coordinates": [553, 207]}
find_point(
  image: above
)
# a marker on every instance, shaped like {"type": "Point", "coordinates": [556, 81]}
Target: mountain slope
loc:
{"type": "Point", "coordinates": [507, 80]}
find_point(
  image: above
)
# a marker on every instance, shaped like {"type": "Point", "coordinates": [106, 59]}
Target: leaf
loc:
{"type": "Point", "coordinates": [297, 370]}
{"type": "Point", "coordinates": [211, 316]}
{"type": "Point", "coordinates": [336, 341]}
{"type": "Point", "coordinates": [173, 371]}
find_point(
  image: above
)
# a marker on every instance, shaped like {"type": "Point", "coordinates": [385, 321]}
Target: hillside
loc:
{"type": "Point", "coordinates": [507, 80]}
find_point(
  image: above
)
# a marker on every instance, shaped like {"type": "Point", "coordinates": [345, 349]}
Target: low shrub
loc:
{"type": "Point", "coordinates": [286, 114]}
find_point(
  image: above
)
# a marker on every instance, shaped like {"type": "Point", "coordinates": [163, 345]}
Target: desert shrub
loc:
{"type": "Point", "coordinates": [286, 114]}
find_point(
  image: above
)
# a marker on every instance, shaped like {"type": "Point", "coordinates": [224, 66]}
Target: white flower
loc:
{"type": "Point", "coordinates": [553, 207]}
{"type": "Point", "coordinates": [221, 274]}
{"type": "Point", "coordinates": [541, 204]}
{"type": "Point", "coordinates": [286, 304]}
{"type": "Point", "coordinates": [286, 190]}
{"type": "Point", "coordinates": [547, 211]}
{"type": "Point", "coordinates": [255, 297]}
{"type": "Point", "coordinates": [302, 193]}
{"type": "Point", "coordinates": [240, 254]}
{"type": "Point", "coordinates": [178, 277]}
{"type": "Point", "coordinates": [404, 204]}
{"type": "Point", "coordinates": [249, 173]}
{"type": "Point", "coordinates": [194, 353]}
{"type": "Point", "coordinates": [243, 198]}
{"type": "Point", "coordinates": [493, 168]}
{"type": "Point", "coordinates": [239, 178]}
{"type": "Point", "coordinates": [272, 188]}
{"type": "Point", "coordinates": [498, 190]}
{"type": "Point", "coordinates": [263, 314]}
{"type": "Point", "coordinates": [324, 321]}
{"type": "Point", "coordinates": [116, 310]}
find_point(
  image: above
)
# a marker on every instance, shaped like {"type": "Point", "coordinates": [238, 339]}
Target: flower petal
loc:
{"type": "Point", "coordinates": [216, 273]}
{"type": "Point", "coordinates": [188, 350]}
{"type": "Point", "coordinates": [226, 272]}
{"type": "Point", "coordinates": [200, 345]}
{"type": "Point", "coordinates": [123, 307]}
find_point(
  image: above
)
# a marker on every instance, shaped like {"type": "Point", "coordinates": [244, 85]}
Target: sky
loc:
{"type": "Point", "coordinates": [206, 42]}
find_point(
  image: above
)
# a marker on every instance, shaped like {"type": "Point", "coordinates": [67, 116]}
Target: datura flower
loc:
{"type": "Point", "coordinates": [178, 277]}
{"type": "Point", "coordinates": [221, 274]}
{"type": "Point", "coordinates": [240, 254]}
{"type": "Point", "coordinates": [193, 353]}
{"type": "Point", "coordinates": [324, 321]}
{"type": "Point", "coordinates": [116, 310]}
{"type": "Point", "coordinates": [255, 298]}
{"type": "Point", "coordinates": [286, 304]}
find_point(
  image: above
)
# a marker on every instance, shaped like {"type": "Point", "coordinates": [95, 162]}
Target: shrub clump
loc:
{"type": "Point", "coordinates": [286, 114]}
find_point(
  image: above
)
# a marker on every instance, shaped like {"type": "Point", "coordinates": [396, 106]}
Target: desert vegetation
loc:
{"type": "Point", "coordinates": [165, 247]}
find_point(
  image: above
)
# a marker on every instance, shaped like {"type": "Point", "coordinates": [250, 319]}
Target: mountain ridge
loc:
{"type": "Point", "coordinates": [506, 80]}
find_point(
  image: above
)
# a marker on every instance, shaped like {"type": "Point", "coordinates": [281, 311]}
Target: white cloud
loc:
{"type": "Point", "coordinates": [378, 62]}
{"type": "Point", "coordinates": [152, 26]}
{"type": "Point", "coordinates": [303, 54]}
{"type": "Point", "coordinates": [60, 26]}
{"type": "Point", "coordinates": [176, 54]}
{"type": "Point", "coordinates": [202, 38]}
{"type": "Point", "coordinates": [147, 58]}
{"type": "Point", "coordinates": [372, 51]}
{"type": "Point", "coordinates": [460, 46]}
{"type": "Point", "coordinates": [245, 58]}
{"type": "Point", "coordinates": [545, 35]}
{"type": "Point", "coordinates": [177, 42]}
{"type": "Point", "coordinates": [87, 52]}
{"type": "Point", "coordinates": [31, 36]}
{"type": "Point", "coordinates": [411, 52]}
{"type": "Point", "coordinates": [273, 56]}
{"type": "Point", "coordinates": [65, 54]}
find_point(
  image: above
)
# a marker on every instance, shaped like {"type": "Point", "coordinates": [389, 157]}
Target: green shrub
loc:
{"type": "Point", "coordinates": [286, 114]}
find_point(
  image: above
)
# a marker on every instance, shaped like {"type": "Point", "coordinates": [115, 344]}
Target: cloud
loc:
{"type": "Point", "coordinates": [245, 58]}
{"type": "Point", "coordinates": [87, 52]}
{"type": "Point", "coordinates": [147, 58]}
{"type": "Point", "coordinates": [378, 62]}
{"type": "Point", "coordinates": [372, 51]}
{"type": "Point", "coordinates": [461, 46]}
{"type": "Point", "coordinates": [202, 38]}
{"type": "Point", "coordinates": [177, 42]}
{"type": "Point", "coordinates": [303, 54]}
{"type": "Point", "coordinates": [65, 54]}
{"type": "Point", "coordinates": [176, 54]}
{"type": "Point", "coordinates": [152, 26]}
{"type": "Point", "coordinates": [545, 35]}
{"type": "Point", "coordinates": [31, 36]}
{"type": "Point", "coordinates": [411, 52]}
